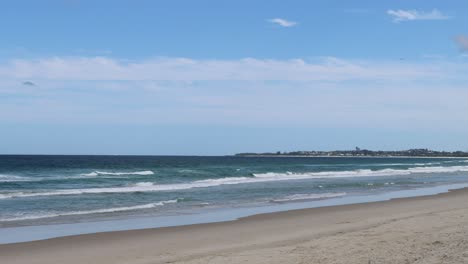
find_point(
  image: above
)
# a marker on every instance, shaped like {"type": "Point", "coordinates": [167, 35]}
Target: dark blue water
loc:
{"type": "Point", "coordinates": [57, 189]}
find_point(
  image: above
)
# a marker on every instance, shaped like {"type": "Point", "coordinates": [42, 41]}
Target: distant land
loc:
{"type": "Point", "coordinates": [362, 153]}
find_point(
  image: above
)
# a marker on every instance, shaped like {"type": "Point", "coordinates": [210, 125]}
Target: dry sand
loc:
{"type": "Point", "coordinates": [430, 229]}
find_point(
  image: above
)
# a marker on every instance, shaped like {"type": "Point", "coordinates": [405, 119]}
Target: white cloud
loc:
{"type": "Point", "coordinates": [183, 69]}
{"type": "Point", "coordinates": [282, 22]}
{"type": "Point", "coordinates": [411, 15]}
{"type": "Point", "coordinates": [244, 92]}
{"type": "Point", "coordinates": [462, 42]}
{"type": "Point", "coordinates": [246, 104]}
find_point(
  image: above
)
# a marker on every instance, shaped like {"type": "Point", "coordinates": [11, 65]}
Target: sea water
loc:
{"type": "Point", "coordinates": [58, 190]}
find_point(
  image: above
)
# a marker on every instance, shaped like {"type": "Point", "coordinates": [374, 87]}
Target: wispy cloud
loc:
{"type": "Point", "coordinates": [462, 42]}
{"type": "Point", "coordinates": [282, 22]}
{"type": "Point", "coordinates": [244, 92]}
{"type": "Point", "coordinates": [185, 69]}
{"type": "Point", "coordinates": [412, 15]}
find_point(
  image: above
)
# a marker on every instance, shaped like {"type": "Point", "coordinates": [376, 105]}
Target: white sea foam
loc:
{"type": "Point", "coordinates": [315, 196]}
{"type": "Point", "coordinates": [97, 211]}
{"type": "Point", "coordinates": [13, 178]}
{"type": "Point", "coordinates": [361, 173]}
{"type": "Point", "coordinates": [97, 173]}
{"type": "Point", "coordinates": [144, 184]}
{"type": "Point", "coordinates": [257, 178]}
{"type": "Point", "coordinates": [91, 174]}
{"type": "Point", "coordinates": [94, 174]}
{"type": "Point", "coordinates": [138, 187]}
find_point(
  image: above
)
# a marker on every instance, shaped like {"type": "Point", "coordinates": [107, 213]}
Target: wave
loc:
{"type": "Point", "coordinates": [94, 174]}
{"type": "Point", "coordinates": [144, 184]}
{"type": "Point", "coordinates": [97, 173]}
{"type": "Point", "coordinates": [138, 187]}
{"type": "Point", "coordinates": [316, 196]}
{"type": "Point", "coordinates": [97, 211]}
{"type": "Point", "coordinates": [13, 178]}
{"type": "Point", "coordinates": [257, 178]}
{"type": "Point", "coordinates": [360, 173]}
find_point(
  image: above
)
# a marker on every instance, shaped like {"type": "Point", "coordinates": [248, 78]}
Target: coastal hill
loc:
{"type": "Point", "coordinates": [363, 153]}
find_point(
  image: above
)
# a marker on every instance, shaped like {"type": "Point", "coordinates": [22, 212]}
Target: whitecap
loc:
{"type": "Point", "coordinates": [13, 178]}
{"type": "Point", "coordinates": [143, 184]}
{"type": "Point", "coordinates": [97, 211]}
{"type": "Point", "coordinates": [97, 173]}
{"type": "Point", "coordinates": [257, 178]}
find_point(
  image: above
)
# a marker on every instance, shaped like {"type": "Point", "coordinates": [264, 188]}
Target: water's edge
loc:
{"type": "Point", "coordinates": [32, 233]}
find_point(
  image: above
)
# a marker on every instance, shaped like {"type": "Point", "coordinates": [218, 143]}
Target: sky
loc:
{"type": "Point", "coordinates": [222, 77]}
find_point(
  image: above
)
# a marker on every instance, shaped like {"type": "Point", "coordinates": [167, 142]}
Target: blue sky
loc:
{"type": "Point", "coordinates": [219, 77]}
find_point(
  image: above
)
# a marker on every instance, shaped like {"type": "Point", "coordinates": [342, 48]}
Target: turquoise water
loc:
{"type": "Point", "coordinates": [37, 190]}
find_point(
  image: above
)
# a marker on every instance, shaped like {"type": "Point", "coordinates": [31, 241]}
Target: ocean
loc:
{"type": "Point", "coordinates": [45, 190]}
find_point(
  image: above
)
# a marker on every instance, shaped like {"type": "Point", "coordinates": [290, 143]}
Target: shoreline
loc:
{"type": "Point", "coordinates": [43, 231]}
{"type": "Point", "coordinates": [257, 238]}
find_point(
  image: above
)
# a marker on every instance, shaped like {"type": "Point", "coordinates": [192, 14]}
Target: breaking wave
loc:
{"type": "Point", "coordinates": [94, 174]}
{"type": "Point", "coordinates": [97, 173]}
{"type": "Point", "coordinates": [257, 178]}
{"type": "Point", "coordinates": [361, 173]}
{"type": "Point", "coordinates": [13, 178]}
{"type": "Point", "coordinates": [97, 211]}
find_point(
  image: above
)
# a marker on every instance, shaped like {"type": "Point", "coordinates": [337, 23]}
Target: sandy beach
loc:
{"type": "Point", "coordinates": [429, 229]}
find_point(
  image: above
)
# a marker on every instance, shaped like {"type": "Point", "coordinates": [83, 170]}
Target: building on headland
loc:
{"type": "Point", "coordinates": [358, 152]}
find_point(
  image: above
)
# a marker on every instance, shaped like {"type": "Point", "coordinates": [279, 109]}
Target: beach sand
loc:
{"type": "Point", "coordinates": [429, 229]}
